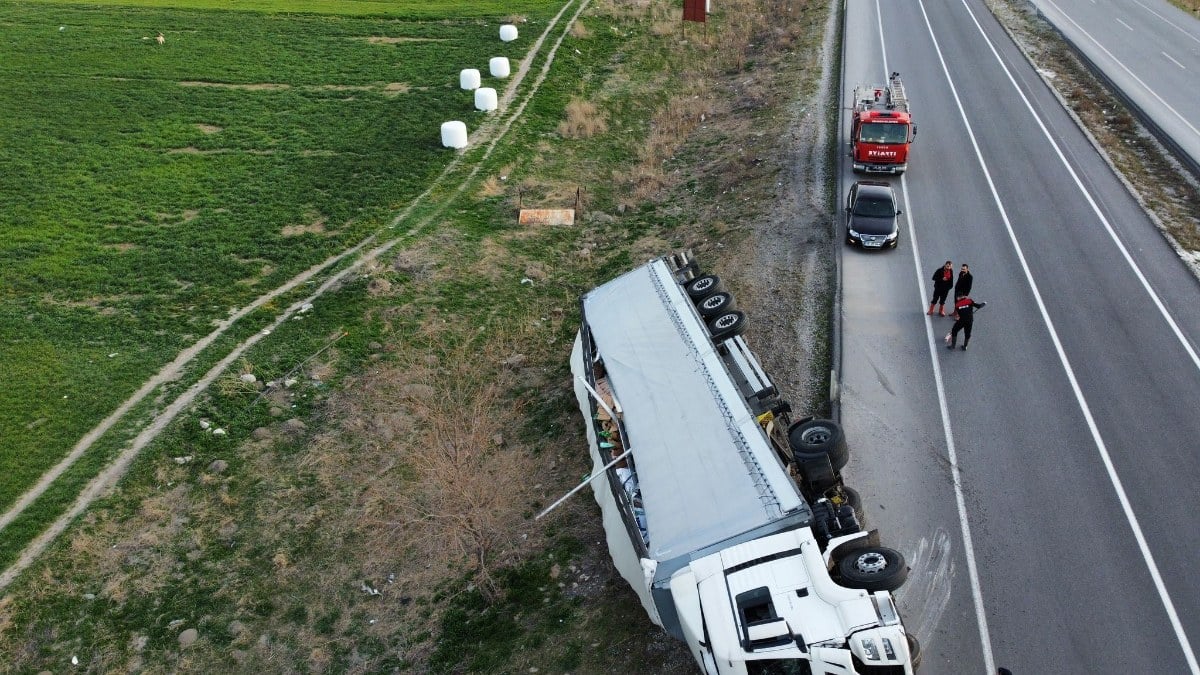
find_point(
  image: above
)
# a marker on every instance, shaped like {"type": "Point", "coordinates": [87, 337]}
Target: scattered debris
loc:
{"type": "Point", "coordinates": [249, 378]}
{"type": "Point", "coordinates": [218, 432]}
{"type": "Point", "coordinates": [366, 588]}
{"type": "Point", "coordinates": [183, 460]}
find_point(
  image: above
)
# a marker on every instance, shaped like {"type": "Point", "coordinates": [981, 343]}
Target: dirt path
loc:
{"type": "Point", "coordinates": [492, 132]}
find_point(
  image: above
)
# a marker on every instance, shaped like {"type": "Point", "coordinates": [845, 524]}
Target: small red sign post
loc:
{"type": "Point", "coordinates": [693, 10]}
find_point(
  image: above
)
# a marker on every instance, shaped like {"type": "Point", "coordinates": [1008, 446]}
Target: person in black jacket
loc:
{"type": "Point", "coordinates": [943, 280]}
{"type": "Point", "coordinates": [962, 287]}
{"type": "Point", "coordinates": [965, 308]}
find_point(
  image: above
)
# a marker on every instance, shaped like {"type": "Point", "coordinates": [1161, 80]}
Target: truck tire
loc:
{"type": "Point", "coordinates": [875, 568]}
{"type": "Point", "coordinates": [703, 286]}
{"type": "Point", "coordinates": [914, 650]}
{"type": "Point", "coordinates": [727, 325]}
{"type": "Point", "coordinates": [814, 438]}
{"type": "Point", "coordinates": [715, 304]}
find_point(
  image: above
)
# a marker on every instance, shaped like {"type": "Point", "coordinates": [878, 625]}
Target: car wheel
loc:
{"type": "Point", "coordinates": [815, 439]}
{"type": "Point", "coordinates": [727, 325]}
{"type": "Point", "coordinates": [703, 286]}
{"type": "Point", "coordinates": [875, 568]}
{"type": "Point", "coordinates": [716, 304]}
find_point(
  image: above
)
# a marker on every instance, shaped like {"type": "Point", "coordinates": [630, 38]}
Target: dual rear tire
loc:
{"type": "Point", "coordinates": [716, 307]}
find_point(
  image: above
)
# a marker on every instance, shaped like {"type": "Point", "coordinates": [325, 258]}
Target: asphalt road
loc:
{"type": "Point", "coordinates": [1042, 484]}
{"type": "Point", "coordinates": [1149, 50]}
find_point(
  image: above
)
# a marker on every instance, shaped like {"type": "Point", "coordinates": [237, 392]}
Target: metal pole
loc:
{"type": "Point", "coordinates": [587, 480]}
{"type": "Point", "coordinates": [600, 400]}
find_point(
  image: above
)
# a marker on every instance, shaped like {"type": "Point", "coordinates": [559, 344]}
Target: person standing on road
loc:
{"type": "Point", "coordinates": [964, 308]}
{"type": "Point", "coordinates": [943, 280]}
{"type": "Point", "coordinates": [962, 287]}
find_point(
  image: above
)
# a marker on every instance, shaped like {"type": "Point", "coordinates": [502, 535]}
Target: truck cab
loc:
{"type": "Point", "coordinates": [769, 606]}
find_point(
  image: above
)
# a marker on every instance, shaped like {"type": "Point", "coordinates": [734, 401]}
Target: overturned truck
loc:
{"type": "Point", "coordinates": [729, 520]}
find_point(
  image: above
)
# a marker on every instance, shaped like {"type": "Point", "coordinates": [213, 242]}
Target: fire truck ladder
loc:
{"type": "Point", "coordinates": [896, 96]}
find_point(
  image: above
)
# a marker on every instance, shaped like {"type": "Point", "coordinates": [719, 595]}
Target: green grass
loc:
{"type": "Point", "coordinates": [138, 208]}
{"type": "Point", "coordinates": [408, 9]}
{"type": "Point", "coordinates": [265, 558]}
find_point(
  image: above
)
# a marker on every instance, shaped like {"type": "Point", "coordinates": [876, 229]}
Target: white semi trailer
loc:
{"type": "Point", "coordinates": [730, 522]}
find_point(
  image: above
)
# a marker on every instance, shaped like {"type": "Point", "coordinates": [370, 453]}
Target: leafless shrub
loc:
{"type": "Point", "coordinates": [470, 491]}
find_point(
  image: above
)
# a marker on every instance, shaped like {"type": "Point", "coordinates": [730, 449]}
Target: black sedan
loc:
{"type": "Point", "coordinates": [871, 215]}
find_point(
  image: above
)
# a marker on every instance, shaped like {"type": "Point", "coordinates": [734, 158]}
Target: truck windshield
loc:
{"type": "Point", "coordinates": [778, 667]}
{"type": "Point", "coordinates": [883, 133]}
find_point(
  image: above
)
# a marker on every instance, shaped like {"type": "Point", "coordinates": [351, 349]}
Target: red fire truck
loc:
{"type": "Point", "coordinates": [881, 128]}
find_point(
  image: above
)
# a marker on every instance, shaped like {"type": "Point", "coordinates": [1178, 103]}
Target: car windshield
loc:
{"type": "Point", "coordinates": [883, 133]}
{"type": "Point", "coordinates": [874, 207]}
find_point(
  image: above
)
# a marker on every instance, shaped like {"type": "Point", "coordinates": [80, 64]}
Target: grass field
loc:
{"type": "Point", "coordinates": [149, 189]}
{"type": "Point", "coordinates": [155, 187]}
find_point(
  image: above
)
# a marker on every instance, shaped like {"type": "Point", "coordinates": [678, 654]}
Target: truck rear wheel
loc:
{"type": "Point", "coordinates": [703, 286]}
{"type": "Point", "coordinates": [814, 439]}
{"type": "Point", "coordinates": [727, 325]}
{"type": "Point", "coordinates": [875, 568]}
{"type": "Point", "coordinates": [715, 304]}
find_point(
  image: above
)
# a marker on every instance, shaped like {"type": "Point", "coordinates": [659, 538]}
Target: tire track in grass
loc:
{"type": "Point", "coordinates": [493, 130]}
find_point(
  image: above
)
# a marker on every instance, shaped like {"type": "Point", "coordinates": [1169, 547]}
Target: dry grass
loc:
{"type": "Point", "coordinates": [315, 227]}
{"type": "Point", "coordinates": [583, 120]}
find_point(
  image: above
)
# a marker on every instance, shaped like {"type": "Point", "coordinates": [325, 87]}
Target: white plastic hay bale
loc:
{"type": "Point", "coordinates": [469, 78]}
{"type": "Point", "coordinates": [508, 32]}
{"type": "Point", "coordinates": [454, 134]}
{"type": "Point", "coordinates": [485, 99]}
{"type": "Point", "coordinates": [498, 66]}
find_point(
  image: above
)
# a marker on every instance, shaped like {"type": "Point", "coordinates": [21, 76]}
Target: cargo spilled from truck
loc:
{"type": "Point", "coordinates": [729, 521]}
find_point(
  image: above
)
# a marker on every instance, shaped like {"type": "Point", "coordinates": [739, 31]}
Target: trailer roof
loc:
{"type": "Point", "coordinates": [706, 470]}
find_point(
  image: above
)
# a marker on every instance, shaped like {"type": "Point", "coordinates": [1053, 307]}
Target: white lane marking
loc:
{"type": "Point", "coordinates": [1118, 487]}
{"type": "Point", "coordinates": [1174, 61]}
{"type": "Point", "coordinates": [1127, 71]}
{"type": "Point", "coordinates": [1166, 21]}
{"type": "Point", "coordinates": [1124, 24]}
{"type": "Point", "coordinates": [960, 500]}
